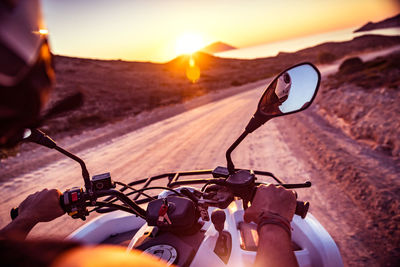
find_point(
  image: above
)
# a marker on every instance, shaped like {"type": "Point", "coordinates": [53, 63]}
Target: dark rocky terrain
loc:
{"type": "Point", "coordinates": [362, 97]}
{"type": "Point", "coordinates": [217, 47]}
{"type": "Point", "coordinates": [387, 23]}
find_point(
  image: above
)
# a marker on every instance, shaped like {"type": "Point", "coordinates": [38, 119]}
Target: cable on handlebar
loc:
{"type": "Point", "coordinates": [132, 188]}
{"type": "Point", "coordinates": [112, 206]}
{"type": "Point", "coordinates": [154, 187]}
{"type": "Point", "coordinates": [123, 198]}
{"type": "Point", "coordinates": [124, 208]}
{"type": "Point", "coordinates": [205, 185]}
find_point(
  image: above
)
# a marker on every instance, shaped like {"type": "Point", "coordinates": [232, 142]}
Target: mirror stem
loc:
{"type": "Point", "coordinates": [230, 165]}
{"type": "Point", "coordinates": [85, 173]}
{"type": "Point", "coordinates": [256, 121]}
{"type": "Point", "coordinates": [39, 137]}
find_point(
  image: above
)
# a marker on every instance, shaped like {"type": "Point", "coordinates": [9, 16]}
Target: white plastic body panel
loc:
{"type": "Point", "coordinates": [104, 226]}
{"type": "Point", "coordinates": [318, 248]}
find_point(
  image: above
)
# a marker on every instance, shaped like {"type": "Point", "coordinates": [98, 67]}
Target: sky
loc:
{"type": "Point", "coordinates": [148, 30]}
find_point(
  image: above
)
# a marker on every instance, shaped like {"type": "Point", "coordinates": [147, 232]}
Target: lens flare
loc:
{"type": "Point", "coordinates": [192, 71]}
{"type": "Point", "coordinates": [191, 62]}
{"type": "Point", "coordinates": [43, 32]}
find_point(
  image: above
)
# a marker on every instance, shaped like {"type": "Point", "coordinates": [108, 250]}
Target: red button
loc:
{"type": "Point", "coordinates": [74, 196]}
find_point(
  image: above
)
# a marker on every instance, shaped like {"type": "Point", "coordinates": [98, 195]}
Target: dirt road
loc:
{"type": "Point", "coordinates": [198, 139]}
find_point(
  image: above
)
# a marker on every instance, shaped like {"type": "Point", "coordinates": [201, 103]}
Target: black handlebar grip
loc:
{"type": "Point", "coordinates": [302, 208]}
{"type": "Point", "coordinates": [62, 202]}
{"type": "Point", "coordinates": [14, 213]}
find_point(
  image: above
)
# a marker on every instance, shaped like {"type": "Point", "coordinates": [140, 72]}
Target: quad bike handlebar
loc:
{"type": "Point", "coordinates": [218, 192]}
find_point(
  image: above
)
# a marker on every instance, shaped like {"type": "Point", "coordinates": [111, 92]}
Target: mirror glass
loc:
{"type": "Point", "coordinates": [291, 91]}
{"type": "Point", "coordinates": [27, 133]}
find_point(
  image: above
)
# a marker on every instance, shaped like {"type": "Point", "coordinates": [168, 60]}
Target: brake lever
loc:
{"type": "Point", "coordinates": [218, 196]}
{"type": "Point", "coordinates": [190, 195]}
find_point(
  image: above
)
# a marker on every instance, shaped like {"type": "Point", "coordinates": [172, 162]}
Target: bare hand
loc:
{"type": "Point", "coordinates": [274, 199]}
{"type": "Point", "coordinates": [42, 206]}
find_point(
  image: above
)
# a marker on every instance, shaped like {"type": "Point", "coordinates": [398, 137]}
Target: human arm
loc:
{"type": "Point", "coordinates": [274, 245]}
{"type": "Point", "coordinates": [41, 206]}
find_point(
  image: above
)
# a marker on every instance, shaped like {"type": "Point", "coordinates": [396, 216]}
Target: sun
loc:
{"type": "Point", "coordinates": [189, 43]}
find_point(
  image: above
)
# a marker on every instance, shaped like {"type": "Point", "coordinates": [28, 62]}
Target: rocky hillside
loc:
{"type": "Point", "coordinates": [387, 23]}
{"type": "Point", "coordinates": [351, 137]}
{"type": "Point", "coordinates": [217, 47]}
{"type": "Point", "coordinates": [363, 100]}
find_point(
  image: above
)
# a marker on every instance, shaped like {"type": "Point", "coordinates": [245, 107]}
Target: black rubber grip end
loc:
{"type": "Point", "coordinates": [14, 213]}
{"type": "Point", "coordinates": [302, 208]}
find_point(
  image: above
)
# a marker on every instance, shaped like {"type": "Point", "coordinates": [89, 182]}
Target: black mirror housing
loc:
{"type": "Point", "coordinates": [293, 90]}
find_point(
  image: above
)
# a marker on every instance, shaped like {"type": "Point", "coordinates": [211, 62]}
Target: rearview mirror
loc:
{"type": "Point", "coordinates": [291, 91]}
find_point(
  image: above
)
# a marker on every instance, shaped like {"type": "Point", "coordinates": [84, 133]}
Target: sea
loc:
{"type": "Point", "coordinates": [293, 45]}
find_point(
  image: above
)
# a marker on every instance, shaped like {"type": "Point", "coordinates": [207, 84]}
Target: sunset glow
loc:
{"type": "Point", "coordinates": [189, 43]}
{"type": "Point", "coordinates": [158, 31]}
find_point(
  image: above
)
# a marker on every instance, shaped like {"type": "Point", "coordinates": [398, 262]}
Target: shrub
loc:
{"type": "Point", "coordinates": [351, 65]}
{"type": "Point", "coordinates": [236, 83]}
{"type": "Point", "coordinates": [326, 57]}
{"type": "Point", "coordinates": [8, 152]}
